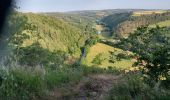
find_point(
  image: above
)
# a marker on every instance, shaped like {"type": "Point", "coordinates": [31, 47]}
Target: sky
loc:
{"type": "Point", "coordinates": [74, 5]}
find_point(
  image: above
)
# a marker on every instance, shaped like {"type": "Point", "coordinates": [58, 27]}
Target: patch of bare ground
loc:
{"type": "Point", "coordinates": [92, 87]}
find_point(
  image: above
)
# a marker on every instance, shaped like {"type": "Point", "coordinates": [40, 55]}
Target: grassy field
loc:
{"type": "Point", "coordinates": [162, 24]}
{"type": "Point", "coordinates": [139, 13]}
{"type": "Point", "coordinates": [104, 50]}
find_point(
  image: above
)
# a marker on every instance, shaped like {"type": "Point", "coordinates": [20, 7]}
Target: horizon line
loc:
{"type": "Point", "coordinates": [90, 10]}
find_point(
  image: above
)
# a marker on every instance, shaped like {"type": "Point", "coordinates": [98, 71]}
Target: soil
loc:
{"type": "Point", "coordinates": [91, 87]}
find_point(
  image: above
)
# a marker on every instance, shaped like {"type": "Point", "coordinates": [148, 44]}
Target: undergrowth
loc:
{"type": "Point", "coordinates": [132, 87]}
{"type": "Point", "coordinates": [31, 83]}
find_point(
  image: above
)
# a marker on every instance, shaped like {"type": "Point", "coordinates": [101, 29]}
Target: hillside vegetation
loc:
{"type": "Point", "coordinates": [78, 56]}
{"type": "Point", "coordinates": [124, 23]}
{"type": "Point", "coordinates": [51, 33]}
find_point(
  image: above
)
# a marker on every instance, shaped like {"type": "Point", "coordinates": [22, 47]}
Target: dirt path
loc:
{"type": "Point", "coordinates": [92, 87]}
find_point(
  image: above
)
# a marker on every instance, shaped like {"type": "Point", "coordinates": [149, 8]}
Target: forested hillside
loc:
{"type": "Point", "coordinates": [124, 23]}
{"type": "Point", "coordinates": [113, 20]}
{"type": "Point", "coordinates": [50, 32]}
{"type": "Point", "coordinates": [133, 22]}
{"type": "Point", "coordinates": [89, 18]}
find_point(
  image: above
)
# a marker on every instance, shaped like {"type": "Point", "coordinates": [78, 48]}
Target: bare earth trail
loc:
{"type": "Point", "coordinates": [92, 87]}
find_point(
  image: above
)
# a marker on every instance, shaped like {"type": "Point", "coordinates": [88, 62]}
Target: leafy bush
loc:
{"type": "Point", "coordinates": [98, 59]}
{"type": "Point", "coordinates": [92, 41]}
{"type": "Point", "coordinates": [121, 56]}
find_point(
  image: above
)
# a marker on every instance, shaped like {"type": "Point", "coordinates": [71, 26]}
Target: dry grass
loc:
{"type": "Point", "coordinates": [99, 27]}
{"type": "Point", "coordinates": [139, 13]}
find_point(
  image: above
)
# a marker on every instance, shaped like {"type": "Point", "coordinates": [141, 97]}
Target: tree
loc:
{"type": "Point", "coordinates": [36, 55]}
{"type": "Point", "coordinates": [92, 40]}
{"type": "Point", "coordinates": [153, 48]}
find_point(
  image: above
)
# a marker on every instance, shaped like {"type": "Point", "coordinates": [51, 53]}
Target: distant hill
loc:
{"type": "Point", "coordinates": [113, 20]}
{"type": "Point", "coordinates": [124, 23]}
{"type": "Point", "coordinates": [120, 21]}
{"type": "Point", "coordinates": [88, 18]}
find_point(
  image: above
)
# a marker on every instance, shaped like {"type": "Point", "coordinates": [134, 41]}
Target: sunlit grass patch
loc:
{"type": "Point", "coordinates": [161, 24]}
{"type": "Point", "coordinates": [140, 13]}
{"type": "Point", "coordinates": [105, 50]}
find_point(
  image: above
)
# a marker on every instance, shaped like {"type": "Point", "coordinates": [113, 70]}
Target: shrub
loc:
{"type": "Point", "coordinates": [92, 40]}
{"type": "Point", "coordinates": [133, 87]}
{"type": "Point", "coordinates": [98, 59]}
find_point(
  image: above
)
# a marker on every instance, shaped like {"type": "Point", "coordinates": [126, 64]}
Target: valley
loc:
{"type": "Point", "coordinates": [113, 54]}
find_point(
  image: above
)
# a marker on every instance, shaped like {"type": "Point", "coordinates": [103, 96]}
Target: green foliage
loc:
{"type": "Point", "coordinates": [89, 43]}
{"type": "Point", "coordinates": [133, 87]}
{"type": "Point", "coordinates": [118, 56]}
{"type": "Point", "coordinates": [86, 49]}
{"type": "Point", "coordinates": [98, 59]}
{"type": "Point", "coordinates": [112, 59]}
{"type": "Point", "coordinates": [28, 83]}
{"type": "Point", "coordinates": [132, 23]}
{"type": "Point", "coordinates": [35, 55]}
{"type": "Point", "coordinates": [38, 39]}
{"type": "Point", "coordinates": [157, 65]}
{"type": "Point", "coordinates": [113, 20]}
{"type": "Point", "coordinates": [152, 46]}
{"type": "Point", "coordinates": [92, 41]}
{"type": "Point", "coordinates": [50, 32]}
{"type": "Point", "coordinates": [20, 85]}
{"type": "Point", "coordinates": [122, 56]}
{"type": "Point", "coordinates": [124, 23]}
{"type": "Point", "coordinates": [63, 76]}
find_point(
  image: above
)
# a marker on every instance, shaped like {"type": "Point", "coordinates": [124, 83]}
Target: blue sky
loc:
{"type": "Point", "coordinates": [72, 5]}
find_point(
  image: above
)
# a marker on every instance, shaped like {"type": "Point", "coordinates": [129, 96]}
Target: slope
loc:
{"type": "Point", "coordinates": [49, 32]}
{"type": "Point", "coordinates": [107, 57]}
{"type": "Point", "coordinates": [124, 23]}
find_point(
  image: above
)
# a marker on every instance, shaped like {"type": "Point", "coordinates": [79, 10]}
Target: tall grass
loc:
{"type": "Point", "coordinates": [19, 84]}
{"type": "Point", "coordinates": [132, 87]}
{"type": "Point", "coordinates": [31, 83]}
